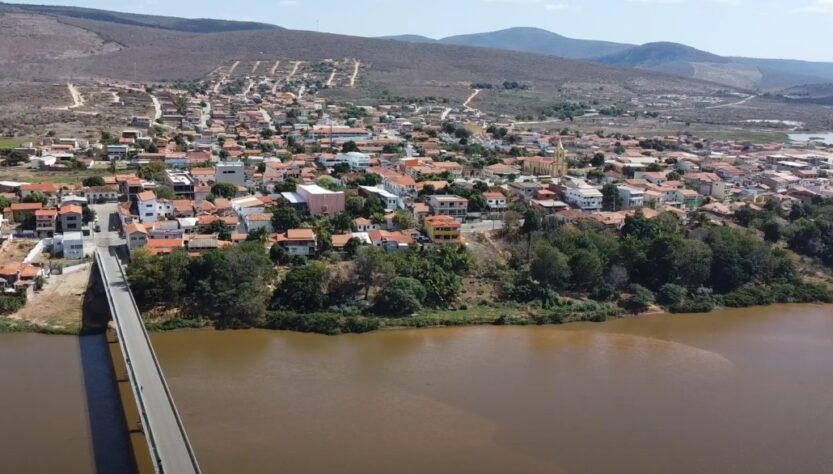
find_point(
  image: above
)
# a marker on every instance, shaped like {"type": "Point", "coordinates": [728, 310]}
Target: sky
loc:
{"type": "Point", "coordinates": [791, 29]}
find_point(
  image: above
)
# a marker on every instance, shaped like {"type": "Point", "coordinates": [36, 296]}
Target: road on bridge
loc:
{"type": "Point", "coordinates": [169, 443]}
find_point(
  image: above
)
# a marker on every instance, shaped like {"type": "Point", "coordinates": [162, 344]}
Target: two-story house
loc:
{"type": "Point", "coordinates": [71, 217]}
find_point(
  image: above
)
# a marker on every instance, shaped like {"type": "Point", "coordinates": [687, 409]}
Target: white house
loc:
{"type": "Point", "coordinates": [585, 197]}
{"type": "Point", "coordinates": [632, 197]}
{"type": "Point", "coordinates": [147, 206]}
{"type": "Point", "coordinates": [73, 244]}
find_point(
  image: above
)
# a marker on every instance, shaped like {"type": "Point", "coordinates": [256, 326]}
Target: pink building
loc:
{"type": "Point", "coordinates": [321, 201]}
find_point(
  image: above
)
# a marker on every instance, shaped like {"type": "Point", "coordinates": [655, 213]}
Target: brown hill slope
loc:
{"type": "Point", "coordinates": [155, 54]}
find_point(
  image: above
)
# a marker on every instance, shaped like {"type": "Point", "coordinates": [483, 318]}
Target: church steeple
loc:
{"type": "Point", "coordinates": [559, 164]}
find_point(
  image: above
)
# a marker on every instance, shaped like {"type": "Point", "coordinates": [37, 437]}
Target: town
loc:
{"type": "Point", "coordinates": [226, 161]}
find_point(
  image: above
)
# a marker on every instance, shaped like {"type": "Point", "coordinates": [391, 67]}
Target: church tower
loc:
{"type": "Point", "coordinates": [559, 164]}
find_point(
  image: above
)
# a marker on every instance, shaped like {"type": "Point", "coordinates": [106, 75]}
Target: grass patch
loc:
{"type": "Point", "coordinates": [15, 326]}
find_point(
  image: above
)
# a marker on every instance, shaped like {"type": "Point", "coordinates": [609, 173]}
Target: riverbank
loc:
{"type": "Point", "coordinates": [9, 325]}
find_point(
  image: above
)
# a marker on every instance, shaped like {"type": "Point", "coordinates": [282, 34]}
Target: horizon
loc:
{"type": "Point", "coordinates": [799, 23]}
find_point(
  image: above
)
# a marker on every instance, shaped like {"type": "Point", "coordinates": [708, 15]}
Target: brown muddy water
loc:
{"type": "Point", "coordinates": [736, 391]}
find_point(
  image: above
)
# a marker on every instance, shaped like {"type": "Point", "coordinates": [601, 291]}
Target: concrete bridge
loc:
{"type": "Point", "coordinates": [170, 449]}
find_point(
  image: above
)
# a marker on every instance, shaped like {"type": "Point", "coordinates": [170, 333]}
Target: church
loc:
{"type": "Point", "coordinates": [545, 166]}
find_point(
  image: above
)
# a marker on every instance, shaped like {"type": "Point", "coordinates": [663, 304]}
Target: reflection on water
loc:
{"type": "Point", "coordinates": [744, 390]}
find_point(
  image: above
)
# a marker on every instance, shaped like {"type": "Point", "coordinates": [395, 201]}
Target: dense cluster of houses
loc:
{"type": "Point", "coordinates": [316, 156]}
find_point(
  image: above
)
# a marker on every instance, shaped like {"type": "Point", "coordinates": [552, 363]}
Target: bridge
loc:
{"type": "Point", "coordinates": [170, 449]}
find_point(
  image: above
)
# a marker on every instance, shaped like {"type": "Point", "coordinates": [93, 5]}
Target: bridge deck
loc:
{"type": "Point", "coordinates": [167, 439]}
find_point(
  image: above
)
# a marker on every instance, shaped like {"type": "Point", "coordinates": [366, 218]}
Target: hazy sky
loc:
{"type": "Point", "coordinates": [799, 29]}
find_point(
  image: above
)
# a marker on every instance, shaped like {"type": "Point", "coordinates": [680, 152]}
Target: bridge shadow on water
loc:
{"type": "Point", "coordinates": [110, 440]}
{"type": "Point", "coordinates": [111, 446]}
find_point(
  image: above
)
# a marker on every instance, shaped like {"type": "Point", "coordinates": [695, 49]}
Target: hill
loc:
{"type": "Point", "coordinates": [535, 40]}
{"type": "Point", "coordinates": [162, 22]}
{"type": "Point", "coordinates": [410, 38]}
{"type": "Point", "coordinates": [666, 57]}
{"type": "Point", "coordinates": [656, 54]}
{"type": "Point", "coordinates": [170, 51]}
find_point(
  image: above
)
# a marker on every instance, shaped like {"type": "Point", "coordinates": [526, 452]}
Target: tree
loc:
{"type": "Point", "coordinates": [4, 202]}
{"type": "Point", "coordinates": [36, 196]}
{"type": "Point", "coordinates": [349, 147]}
{"type": "Point", "coordinates": [230, 285]}
{"type": "Point", "coordinates": [219, 227]}
{"type": "Point", "coordinates": [87, 215]}
{"type": "Point", "coordinates": [372, 268]}
{"type": "Point", "coordinates": [285, 217]}
{"type": "Point", "coordinates": [225, 190]}
{"type": "Point", "coordinates": [400, 297]}
{"type": "Point", "coordinates": [93, 181]}
{"type": "Point", "coordinates": [14, 157]}
{"type": "Point", "coordinates": [165, 192]}
{"type": "Point", "coordinates": [404, 220]}
{"type": "Point", "coordinates": [550, 267]}
{"type": "Point", "coordinates": [257, 235]}
{"type": "Point", "coordinates": [598, 160]}
{"type": "Point", "coordinates": [772, 230]}
{"type": "Point", "coordinates": [303, 289]}
{"type": "Point", "coordinates": [532, 222]}
{"type": "Point", "coordinates": [278, 255]}
{"type": "Point", "coordinates": [352, 246]}
{"type": "Point", "coordinates": [641, 298]}
{"type": "Point", "coordinates": [586, 268]}
{"type": "Point", "coordinates": [154, 171]}
{"type": "Point", "coordinates": [611, 199]}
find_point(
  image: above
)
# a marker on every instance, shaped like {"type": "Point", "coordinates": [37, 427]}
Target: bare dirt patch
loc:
{"type": "Point", "coordinates": [59, 304]}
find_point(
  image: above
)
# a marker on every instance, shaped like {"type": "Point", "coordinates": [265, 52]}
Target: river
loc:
{"type": "Point", "coordinates": [737, 391]}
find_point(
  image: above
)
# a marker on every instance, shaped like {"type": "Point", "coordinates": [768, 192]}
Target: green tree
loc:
{"type": "Point", "coordinates": [550, 267]}
{"type": "Point", "coordinates": [372, 268]}
{"type": "Point", "coordinates": [165, 192]}
{"type": "Point", "coordinates": [231, 285]}
{"type": "Point", "coordinates": [586, 268]}
{"type": "Point", "coordinates": [303, 289]}
{"type": "Point", "coordinates": [36, 196]}
{"type": "Point", "coordinates": [93, 181]}
{"type": "Point", "coordinates": [598, 160]}
{"type": "Point", "coordinates": [611, 199]}
{"type": "Point", "coordinates": [153, 171]}
{"type": "Point", "coordinates": [404, 220]}
{"type": "Point", "coordinates": [225, 190]}
{"type": "Point", "coordinates": [349, 147]}
{"type": "Point", "coordinates": [285, 217]}
{"type": "Point", "coordinates": [400, 297]}
{"type": "Point", "coordinates": [278, 254]}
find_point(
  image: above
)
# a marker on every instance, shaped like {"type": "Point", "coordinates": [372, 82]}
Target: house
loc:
{"type": "Point", "coordinates": [320, 201]}
{"type": "Point", "coordinates": [298, 242]}
{"type": "Point", "coordinates": [147, 206]}
{"type": "Point", "coordinates": [389, 200]}
{"type": "Point", "coordinates": [400, 185]}
{"type": "Point", "coordinates": [449, 205]}
{"type": "Point", "coordinates": [46, 222]}
{"type": "Point", "coordinates": [257, 221]}
{"type": "Point", "coordinates": [390, 240]}
{"type": "Point", "coordinates": [71, 217]}
{"type": "Point", "coordinates": [524, 191]}
{"type": "Point", "coordinates": [230, 172]}
{"type": "Point", "coordinates": [585, 197]}
{"type": "Point", "coordinates": [73, 245]}
{"type": "Point", "coordinates": [117, 152]}
{"type": "Point", "coordinates": [136, 235]}
{"type": "Point", "coordinates": [18, 273]}
{"type": "Point", "coordinates": [164, 246]}
{"type": "Point", "coordinates": [632, 197]}
{"type": "Point", "coordinates": [364, 225]}
{"type": "Point", "coordinates": [495, 201]}
{"type": "Point", "coordinates": [442, 229]}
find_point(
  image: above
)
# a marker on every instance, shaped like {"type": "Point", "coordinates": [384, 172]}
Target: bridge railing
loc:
{"type": "Point", "coordinates": [154, 448]}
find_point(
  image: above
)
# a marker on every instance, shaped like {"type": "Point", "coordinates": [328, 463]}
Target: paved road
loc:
{"type": "Point", "coordinates": [161, 423]}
